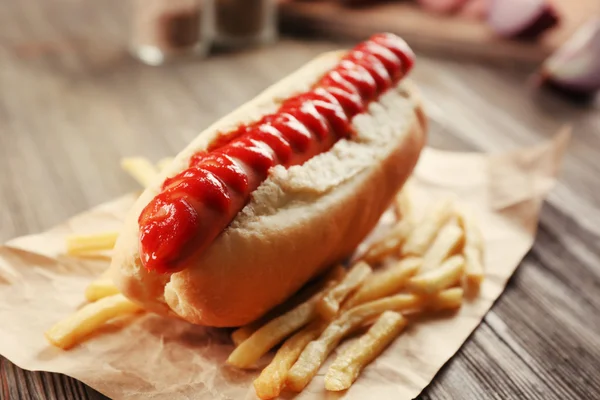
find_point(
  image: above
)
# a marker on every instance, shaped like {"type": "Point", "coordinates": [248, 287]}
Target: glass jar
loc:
{"type": "Point", "coordinates": [164, 30]}
{"type": "Point", "coordinates": [245, 22]}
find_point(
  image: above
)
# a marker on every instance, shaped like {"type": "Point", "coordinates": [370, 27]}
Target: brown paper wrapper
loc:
{"type": "Point", "coordinates": [148, 356]}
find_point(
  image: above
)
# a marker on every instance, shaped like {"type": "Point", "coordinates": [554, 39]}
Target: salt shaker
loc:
{"type": "Point", "coordinates": [165, 30]}
{"type": "Point", "coordinates": [245, 22]}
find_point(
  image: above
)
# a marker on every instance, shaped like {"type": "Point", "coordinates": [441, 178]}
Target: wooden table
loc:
{"type": "Point", "coordinates": [72, 103]}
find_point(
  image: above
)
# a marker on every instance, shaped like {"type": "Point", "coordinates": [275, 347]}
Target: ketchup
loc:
{"type": "Point", "coordinates": [196, 205]}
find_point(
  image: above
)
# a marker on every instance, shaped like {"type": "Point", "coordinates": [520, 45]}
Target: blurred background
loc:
{"type": "Point", "coordinates": [84, 83]}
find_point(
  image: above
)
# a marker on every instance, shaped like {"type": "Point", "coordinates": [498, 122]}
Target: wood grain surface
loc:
{"type": "Point", "coordinates": [72, 103]}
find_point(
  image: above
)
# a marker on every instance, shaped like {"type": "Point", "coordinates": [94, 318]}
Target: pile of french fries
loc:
{"type": "Point", "coordinates": [430, 262]}
{"type": "Point", "coordinates": [422, 265]}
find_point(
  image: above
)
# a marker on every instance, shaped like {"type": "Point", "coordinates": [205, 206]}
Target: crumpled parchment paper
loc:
{"type": "Point", "coordinates": [151, 357]}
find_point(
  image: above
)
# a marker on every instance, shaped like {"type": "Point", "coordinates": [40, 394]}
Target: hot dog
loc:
{"type": "Point", "coordinates": [277, 191]}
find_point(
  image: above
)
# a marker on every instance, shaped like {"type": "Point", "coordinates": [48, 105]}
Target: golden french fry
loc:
{"type": "Point", "coordinates": [448, 299]}
{"type": "Point", "coordinates": [346, 368]}
{"type": "Point", "coordinates": [473, 235]}
{"type": "Point", "coordinates": [314, 354]}
{"type": "Point", "coordinates": [243, 333]}
{"type": "Point", "coordinates": [100, 288]}
{"type": "Point", "coordinates": [447, 242]}
{"type": "Point", "coordinates": [85, 244]}
{"type": "Point", "coordinates": [274, 331]}
{"type": "Point", "coordinates": [448, 274]}
{"type": "Point", "coordinates": [140, 169]}
{"type": "Point", "coordinates": [329, 305]}
{"type": "Point", "coordinates": [272, 379]}
{"type": "Point", "coordinates": [70, 331]}
{"type": "Point", "coordinates": [408, 302]}
{"type": "Point", "coordinates": [266, 337]}
{"type": "Point", "coordinates": [474, 272]}
{"type": "Point", "coordinates": [389, 244]}
{"type": "Point", "coordinates": [333, 275]}
{"type": "Point", "coordinates": [473, 249]}
{"type": "Point", "coordinates": [403, 203]}
{"type": "Point", "coordinates": [163, 163]}
{"type": "Point", "coordinates": [427, 228]}
{"type": "Point", "coordinates": [384, 283]}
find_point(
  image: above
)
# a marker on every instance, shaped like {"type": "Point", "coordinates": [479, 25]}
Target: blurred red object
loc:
{"type": "Point", "coordinates": [475, 9]}
{"type": "Point", "coordinates": [522, 19]}
{"type": "Point", "coordinates": [442, 6]}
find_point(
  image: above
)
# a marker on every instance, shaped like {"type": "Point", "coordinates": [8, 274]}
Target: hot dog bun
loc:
{"type": "Point", "coordinates": [298, 222]}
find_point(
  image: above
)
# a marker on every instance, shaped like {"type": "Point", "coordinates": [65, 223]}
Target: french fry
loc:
{"type": "Point", "coordinates": [473, 235]}
{"type": "Point", "coordinates": [317, 351]}
{"type": "Point", "coordinates": [333, 275]}
{"type": "Point", "coordinates": [448, 299]}
{"type": "Point", "coordinates": [474, 272]}
{"type": "Point", "coordinates": [163, 163]}
{"type": "Point", "coordinates": [272, 379]}
{"type": "Point", "coordinates": [266, 337]}
{"type": "Point", "coordinates": [73, 329]}
{"type": "Point", "coordinates": [100, 288]}
{"type": "Point", "coordinates": [274, 331]}
{"type": "Point", "coordinates": [329, 305]}
{"type": "Point", "coordinates": [447, 242]}
{"type": "Point", "coordinates": [448, 274]}
{"type": "Point", "coordinates": [389, 244]}
{"type": "Point", "coordinates": [425, 230]}
{"type": "Point", "coordinates": [244, 332]}
{"type": "Point", "coordinates": [473, 249]}
{"type": "Point", "coordinates": [403, 203]}
{"type": "Point", "coordinates": [384, 283]}
{"type": "Point", "coordinates": [86, 244]}
{"type": "Point", "coordinates": [346, 368]}
{"type": "Point", "coordinates": [140, 169]}
{"type": "Point", "coordinates": [406, 302]}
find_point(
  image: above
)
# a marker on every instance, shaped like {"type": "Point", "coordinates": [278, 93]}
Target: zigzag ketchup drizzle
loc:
{"type": "Point", "coordinates": [196, 205]}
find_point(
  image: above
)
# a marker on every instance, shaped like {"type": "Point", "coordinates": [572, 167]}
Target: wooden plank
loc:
{"type": "Point", "coordinates": [19, 384]}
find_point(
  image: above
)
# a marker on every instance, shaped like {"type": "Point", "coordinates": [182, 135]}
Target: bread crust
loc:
{"type": "Point", "coordinates": [298, 222]}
